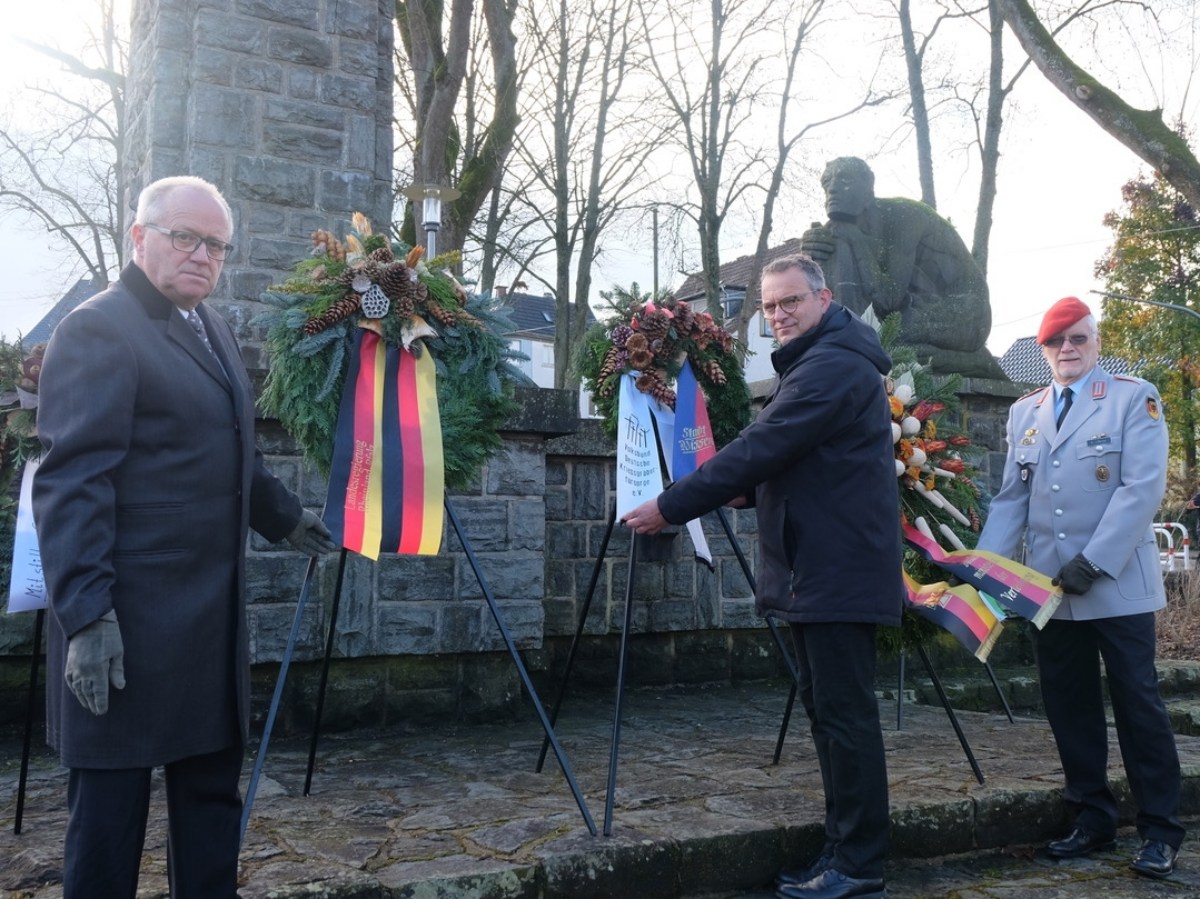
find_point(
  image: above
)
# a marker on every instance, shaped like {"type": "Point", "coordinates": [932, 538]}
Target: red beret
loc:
{"type": "Point", "coordinates": [1061, 316]}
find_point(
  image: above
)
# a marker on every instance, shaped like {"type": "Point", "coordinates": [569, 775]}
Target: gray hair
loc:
{"type": "Point", "coordinates": [153, 197]}
{"type": "Point", "coordinates": [803, 262]}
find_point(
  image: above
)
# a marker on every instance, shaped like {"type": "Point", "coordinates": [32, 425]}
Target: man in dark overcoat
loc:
{"type": "Point", "coordinates": [149, 482]}
{"type": "Point", "coordinates": [819, 466]}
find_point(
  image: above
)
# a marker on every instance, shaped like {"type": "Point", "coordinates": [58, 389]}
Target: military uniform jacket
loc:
{"type": "Point", "coordinates": [1092, 487]}
{"type": "Point", "coordinates": [149, 481]}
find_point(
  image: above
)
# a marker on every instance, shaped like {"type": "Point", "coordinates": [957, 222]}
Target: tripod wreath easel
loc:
{"type": "Point", "coordinates": [368, 315]}
{"type": "Point", "coordinates": [367, 510]}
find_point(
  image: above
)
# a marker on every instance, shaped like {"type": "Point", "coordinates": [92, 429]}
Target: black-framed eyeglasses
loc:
{"type": "Point", "coordinates": [186, 242]}
{"type": "Point", "coordinates": [787, 304]}
{"type": "Point", "coordinates": [1076, 340]}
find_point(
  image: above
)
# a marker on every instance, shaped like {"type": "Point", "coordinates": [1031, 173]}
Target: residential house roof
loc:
{"type": "Point", "coordinates": [84, 289]}
{"type": "Point", "coordinates": [735, 275]}
{"type": "Point", "coordinates": [1023, 363]}
{"type": "Point", "coordinates": [533, 316]}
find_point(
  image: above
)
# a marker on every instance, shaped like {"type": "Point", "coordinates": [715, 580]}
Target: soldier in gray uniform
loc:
{"type": "Point", "coordinates": [1083, 479]}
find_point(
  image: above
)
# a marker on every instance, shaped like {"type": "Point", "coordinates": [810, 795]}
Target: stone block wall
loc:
{"type": "Point", "coordinates": [415, 638]}
{"type": "Point", "coordinates": [286, 107]}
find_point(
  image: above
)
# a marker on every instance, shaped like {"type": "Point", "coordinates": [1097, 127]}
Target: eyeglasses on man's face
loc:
{"type": "Point", "coordinates": [1075, 339]}
{"type": "Point", "coordinates": [787, 304]}
{"type": "Point", "coordinates": [186, 242]}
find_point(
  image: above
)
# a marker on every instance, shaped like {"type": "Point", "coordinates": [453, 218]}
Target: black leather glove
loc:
{"type": "Point", "coordinates": [96, 658]}
{"type": "Point", "coordinates": [310, 536]}
{"type": "Point", "coordinates": [1077, 576]}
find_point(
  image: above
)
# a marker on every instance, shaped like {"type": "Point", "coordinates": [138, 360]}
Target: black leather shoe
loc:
{"type": "Point", "coordinates": [803, 875]}
{"type": "Point", "coordinates": [833, 884]}
{"type": "Point", "coordinates": [1080, 841]}
{"type": "Point", "coordinates": [1155, 859]}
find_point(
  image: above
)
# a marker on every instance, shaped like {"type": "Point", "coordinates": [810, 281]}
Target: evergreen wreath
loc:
{"type": "Point", "coordinates": [654, 339]}
{"type": "Point", "coordinates": [370, 281]}
{"type": "Point", "coordinates": [936, 472]}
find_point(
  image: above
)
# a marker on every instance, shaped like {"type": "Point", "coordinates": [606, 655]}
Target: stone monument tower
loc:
{"type": "Point", "coordinates": [285, 106]}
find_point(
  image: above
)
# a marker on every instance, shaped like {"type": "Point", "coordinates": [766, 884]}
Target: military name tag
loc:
{"type": "Point", "coordinates": [1099, 440]}
{"type": "Point", "coordinates": [1102, 472]}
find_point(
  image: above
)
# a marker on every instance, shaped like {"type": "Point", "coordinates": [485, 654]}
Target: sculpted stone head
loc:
{"type": "Point", "coordinates": [849, 186]}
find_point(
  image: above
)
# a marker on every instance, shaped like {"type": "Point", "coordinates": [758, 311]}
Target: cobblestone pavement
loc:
{"type": "Point", "coordinates": [457, 812]}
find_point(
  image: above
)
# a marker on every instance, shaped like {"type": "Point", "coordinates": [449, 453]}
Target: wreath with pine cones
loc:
{"type": "Point", "coordinates": [653, 339]}
{"type": "Point", "coordinates": [367, 280]}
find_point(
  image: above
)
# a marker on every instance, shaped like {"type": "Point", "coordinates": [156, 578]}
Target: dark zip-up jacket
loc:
{"type": "Point", "coordinates": [819, 464]}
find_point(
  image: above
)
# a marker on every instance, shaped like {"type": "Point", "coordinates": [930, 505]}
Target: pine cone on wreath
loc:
{"type": "Point", "coordinates": [653, 384]}
{"type": "Point", "coordinates": [712, 368]}
{"type": "Point", "coordinates": [655, 326]}
{"type": "Point", "coordinates": [382, 255]}
{"type": "Point", "coordinates": [685, 319]}
{"type": "Point", "coordinates": [342, 309]}
{"type": "Point", "coordinates": [404, 307]}
{"type": "Point", "coordinates": [609, 366]}
{"type": "Point", "coordinates": [442, 314]}
{"type": "Point", "coordinates": [393, 279]}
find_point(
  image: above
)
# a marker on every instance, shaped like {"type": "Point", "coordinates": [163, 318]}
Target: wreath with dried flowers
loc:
{"type": "Point", "coordinates": [369, 281]}
{"type": "Point", "coordinates": [936, 471]}
{"type": "Point", "coordinates": [653, 339]}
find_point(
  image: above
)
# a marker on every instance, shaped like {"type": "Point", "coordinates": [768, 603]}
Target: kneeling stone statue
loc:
{"type": "Point", "coordinates": [898, 255]}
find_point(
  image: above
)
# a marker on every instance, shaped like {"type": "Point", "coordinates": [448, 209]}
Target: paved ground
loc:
{"type": "Point", "coordinates": [699, 810]}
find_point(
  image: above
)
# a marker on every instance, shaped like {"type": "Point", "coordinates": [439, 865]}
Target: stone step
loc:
{"type": "Point", "coordinates": [972, 690]}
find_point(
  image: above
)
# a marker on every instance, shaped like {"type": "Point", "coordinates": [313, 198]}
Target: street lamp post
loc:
{"type": "Point", "coordinates": [431, 197]}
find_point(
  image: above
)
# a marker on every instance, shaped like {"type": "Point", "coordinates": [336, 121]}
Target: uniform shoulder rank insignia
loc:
{"type": "Point", "coordinates": [1152, 408]}
{"type": "Point", "coordinates": [1099, 389]}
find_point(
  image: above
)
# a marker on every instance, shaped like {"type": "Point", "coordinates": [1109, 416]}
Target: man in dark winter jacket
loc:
{"type": "Point", "coordinates": [818, 465]}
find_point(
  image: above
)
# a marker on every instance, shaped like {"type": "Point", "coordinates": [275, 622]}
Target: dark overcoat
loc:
{"type": "Point", "coordinates": [820, 465]}
{"type": "Point", "coordinates": [148, 484]}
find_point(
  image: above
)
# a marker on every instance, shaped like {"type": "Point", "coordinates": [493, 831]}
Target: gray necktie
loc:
{"type": "Point", "coordinates": [1067, 394]}
{"type": "Point", "coordinates": [198, 326]}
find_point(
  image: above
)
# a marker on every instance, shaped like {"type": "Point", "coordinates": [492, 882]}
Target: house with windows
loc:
{"type": "Point", "coordinates": [534, 322]}
{"type": "Point", "coordinates": [734, 278]}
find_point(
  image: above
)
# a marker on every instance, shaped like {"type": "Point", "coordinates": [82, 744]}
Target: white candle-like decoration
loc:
{"type": "Point", "coordinates": [910, 426]}
{"type": "Point", "coordinates": [949, 507]}
{"type": "Point", "coordinates": [950, 536]}
{"type": "Point", "coordinates": [923, 526]}
{"type": "Point", "coordinates": [932, 495]}
{"type": "Point", "coordinates": [904, 393]}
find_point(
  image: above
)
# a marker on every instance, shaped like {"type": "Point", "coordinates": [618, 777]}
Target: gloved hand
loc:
{"type": "Point", "coordinates": [310, 536]}
{"type": "Point", "coordinates": [96, 658]}
{"type": "Point", "coordinates": [1077, 576]}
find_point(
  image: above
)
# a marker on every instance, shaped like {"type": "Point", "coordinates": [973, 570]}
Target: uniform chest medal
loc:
{"type": "Point", "coordinates": [1102, 473]}
{"type": "Point", "coordinates": [1030, 437]}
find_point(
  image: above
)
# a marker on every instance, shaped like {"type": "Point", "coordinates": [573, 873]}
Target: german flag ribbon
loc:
{"type": "Point", "coordinates": [959, 610]}
{"type": "Point", "coordinates": [387, 478]}
{"type": "Point", "coordinates": [1016, 588]}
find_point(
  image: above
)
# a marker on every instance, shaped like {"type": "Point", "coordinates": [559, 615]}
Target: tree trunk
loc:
{"type": "Point", "coordinates": [1142, 131]}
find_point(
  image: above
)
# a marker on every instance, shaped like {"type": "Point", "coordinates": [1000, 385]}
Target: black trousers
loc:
{"type": "Point", "coordinates": [1068, 656]}
{"type": "Point", "coordinates": [106, 828]}
{"type": "Point", "coordinates": [837, 688]}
